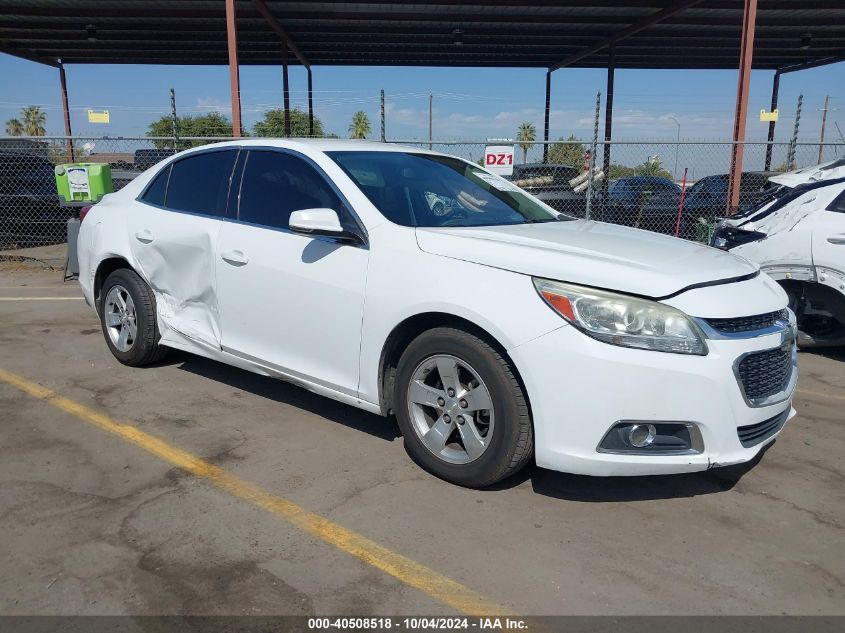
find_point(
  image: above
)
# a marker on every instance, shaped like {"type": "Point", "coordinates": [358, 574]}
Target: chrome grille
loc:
{"type": "Point", "coordinates": [764, 374]}
{"type": "Point", "coordinates": [748, 323]}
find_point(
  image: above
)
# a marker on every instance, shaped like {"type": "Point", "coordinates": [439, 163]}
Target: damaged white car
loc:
{"type": "Point", "coordinates": [496, 329]}
{"type": "Point", "coordinates": [797, 235]}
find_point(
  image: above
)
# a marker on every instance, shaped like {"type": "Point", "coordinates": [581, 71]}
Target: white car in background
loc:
{"type": "Point", "coordinates": [797, 235]}
{"type": "Point", "coordinates": [497, 331]}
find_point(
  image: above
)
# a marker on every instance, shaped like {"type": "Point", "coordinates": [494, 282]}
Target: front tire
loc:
{"type": "Point", "coordinates": [128, 319]}
{"type": "Point", "coordinates": [463, 413]}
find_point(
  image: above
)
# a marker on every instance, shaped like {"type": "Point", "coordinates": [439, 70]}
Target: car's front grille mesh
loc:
{"type": "Point", "coordinates": [748, 323]}
{"type": "Point", "coordinates": [764, 374]}
{"type": "Point", "coordinates": [755, 433]}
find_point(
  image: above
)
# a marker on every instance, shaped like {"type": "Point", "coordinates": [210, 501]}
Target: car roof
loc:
{"type": "Point", "coordinates": [542, 166]}
{"type": "Point", "coordinates": [319, 145]}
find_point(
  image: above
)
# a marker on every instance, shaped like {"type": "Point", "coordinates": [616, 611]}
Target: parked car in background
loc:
{"type": "Point", "coordinates": [797, 236]}
{"type": "Point", "coordinates": [704, 201]}
{"type": "Point", "coordinates": [146, 158]}
{"type": "Point", "coordinates": [30, 214]}
{"type": "Point", "coordinates": [498, 331]}
{"type": "Point", "coordinates": [550, 183]}
{"type": "Point", "coordinates": [627, 197]}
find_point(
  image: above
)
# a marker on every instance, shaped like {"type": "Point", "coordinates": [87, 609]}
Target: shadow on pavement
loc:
{"type": "Point", "coordinates": [620, 489]}
{"type": "Point", "coordinates": [545, 482]}
{"type": "Point", "coordinates": [286, 393]}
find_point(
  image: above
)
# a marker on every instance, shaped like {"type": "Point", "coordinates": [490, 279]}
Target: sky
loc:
{"type": "Point", "coordinates": [469, 103]}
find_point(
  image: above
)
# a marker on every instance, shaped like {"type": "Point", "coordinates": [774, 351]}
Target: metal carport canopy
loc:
{"type": "Point", "coordinates": [514, 33]}
{"type": "Point", "coordinates": [781, 35]}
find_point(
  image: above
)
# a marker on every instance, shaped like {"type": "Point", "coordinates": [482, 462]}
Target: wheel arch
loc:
{"type": "Point", "coordinates": [105, 268]}
{"type": "Point", "coordinates": [409, 329]}
{"type": "Point", "coordinates": [802, 292]}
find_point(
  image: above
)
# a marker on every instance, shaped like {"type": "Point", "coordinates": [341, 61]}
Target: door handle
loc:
{"type": "Point", "coordinates": [235, 258]}
{"type": "Point", "coordinates": [837, 239]}
{"type": "Point", "coordinates": [144, 236]}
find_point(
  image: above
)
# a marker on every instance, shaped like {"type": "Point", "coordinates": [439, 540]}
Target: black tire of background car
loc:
{"type": "Point", "coordinates": [512, 446]}
{"type": "Point", "coordinates": [145, 350]}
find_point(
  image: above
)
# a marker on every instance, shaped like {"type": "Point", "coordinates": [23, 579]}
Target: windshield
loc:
{"type": "Point", "coordinates": [429, 190]}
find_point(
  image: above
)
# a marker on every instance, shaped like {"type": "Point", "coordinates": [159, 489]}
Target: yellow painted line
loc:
{"type": "Point", "coordinates": [818, 394]}
{"type": "Point", "coordinates": [40, 298]}
{"type": "Point", "coordinates": [404, 569]}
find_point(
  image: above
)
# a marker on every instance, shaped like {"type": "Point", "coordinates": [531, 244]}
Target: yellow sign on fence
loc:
{"type": "Point", "coordinates": [768, 116]}
{"type": "Point", "coordinates": [98, 117]}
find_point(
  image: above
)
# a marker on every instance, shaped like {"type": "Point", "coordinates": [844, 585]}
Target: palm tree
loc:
{"type": "Point", "coordinates": [360, 126]}
{"type": "Point", "coordinates": [14, 127]}
{"type": "Point", "coordinates": [526, 136]}
{"type": "Point", "coordinates": [34, 120]}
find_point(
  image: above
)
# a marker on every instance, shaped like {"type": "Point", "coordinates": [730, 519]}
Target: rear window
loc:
{"type": "Point", "coordinates": [200, 183]}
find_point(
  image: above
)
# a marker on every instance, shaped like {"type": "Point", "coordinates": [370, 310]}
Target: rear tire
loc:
{"type": "Point", "coordinates": [128, 319]}
{"type": "Point", "coordinates": [445, 379]}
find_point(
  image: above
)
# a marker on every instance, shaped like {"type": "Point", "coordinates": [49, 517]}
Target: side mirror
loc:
{"type": "Point", "coordinates": [320, 222]}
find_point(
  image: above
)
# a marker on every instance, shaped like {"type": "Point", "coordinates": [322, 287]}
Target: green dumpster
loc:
{"type": "Point", "coordinates": [83, 182]}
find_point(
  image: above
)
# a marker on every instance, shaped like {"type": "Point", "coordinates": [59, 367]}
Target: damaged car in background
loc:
{"type": "Point", "coordinates": [797, 235]}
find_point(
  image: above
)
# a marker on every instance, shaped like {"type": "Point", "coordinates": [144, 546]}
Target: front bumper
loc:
{"type": "Point", "coordinates": [580, 387]}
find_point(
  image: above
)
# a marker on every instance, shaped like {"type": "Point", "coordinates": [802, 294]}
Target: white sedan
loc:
{"type": "Point", "coordinates": [497, 332]}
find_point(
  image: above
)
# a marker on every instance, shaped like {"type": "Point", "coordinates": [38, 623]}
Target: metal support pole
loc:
{"type": "Point", "coordinates": [775, 90]}
{"type": "Point", "coordinates": [66, 112]}
{"type": "Point", "coordinates": [310, 104]}
{"type": "Point", "coordinates": [381, 94]}
{"type": "Point", "coordinates": [234, 76]}
{"type": "Point", "coordinates": [286, 88]}
{"type": "Point", "coordinates": [746, 56]}
{"type": "Point", "coordinates": [608, 122]}
{"type": "Point", "coordinates": [546, 117]}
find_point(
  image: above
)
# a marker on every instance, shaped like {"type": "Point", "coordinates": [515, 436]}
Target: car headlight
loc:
{"type": "Point", "coordinates": [623, 320]}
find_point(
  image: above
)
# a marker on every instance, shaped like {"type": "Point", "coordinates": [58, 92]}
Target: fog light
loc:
{"type": "Point", "coordinates": [644, 437]}
{"type": "Point", "coordinates": [641, 435]}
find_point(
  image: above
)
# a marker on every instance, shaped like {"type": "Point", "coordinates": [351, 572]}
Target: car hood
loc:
{"type": "Point", "coordinates": [826, 171]}
{"type": "Point", "coordinates": [590, 253]}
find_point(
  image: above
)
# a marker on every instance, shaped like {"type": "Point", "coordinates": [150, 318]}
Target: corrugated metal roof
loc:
{"type": "Point", "coordinates": [494, 32]}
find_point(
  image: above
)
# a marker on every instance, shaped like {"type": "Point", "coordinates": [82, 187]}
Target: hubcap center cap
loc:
{"type": "Point", "coordinates": [452, 408]}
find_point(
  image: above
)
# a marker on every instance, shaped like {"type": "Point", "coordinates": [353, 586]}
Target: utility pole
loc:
{"type": "Point", "coordinates": [429, 120]}
{"type": "Point", "coordinates": [382, 116]}
{"type": "Point", "coordinates": [677, 146]}
{"type": "Point", "coordinates": [592, 160]}
{"type": "Point", "coordinates": [824, 121]}
{"type": "Point", "coordinates": [790, 157]}
{"type": "Point", "coordinates": [174, 122]}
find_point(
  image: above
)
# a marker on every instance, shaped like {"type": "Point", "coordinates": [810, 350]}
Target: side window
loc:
{"type": "Point", "coordinates": [276, 184]}
{"type": "Point", "coordinates": [838, 203]}
{"type": "Point", "coordinates": [200, 183]}
{"type": "Point", "coordinates": [155, 192]}
{"type": "Point", "coordinates": [717, 186]}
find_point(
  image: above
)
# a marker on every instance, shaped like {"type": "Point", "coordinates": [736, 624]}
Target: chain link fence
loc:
{"type": "Point", "coordinates": [634, 183]}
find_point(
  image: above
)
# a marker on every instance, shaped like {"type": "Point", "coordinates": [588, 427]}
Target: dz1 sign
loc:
{"type": "Point", "coordinates": [499, 159]}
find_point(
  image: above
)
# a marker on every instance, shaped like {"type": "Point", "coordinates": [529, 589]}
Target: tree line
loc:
{"type": "Point", "coordinates": [572, 152]}
{"type": "Point", "coordinates": [31, 123]}
{"type": "Point", "coordinates": [271, 125]}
